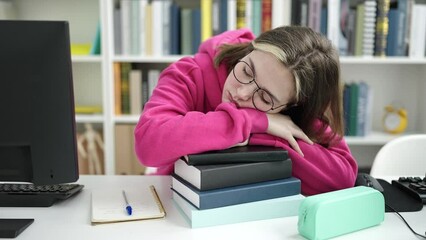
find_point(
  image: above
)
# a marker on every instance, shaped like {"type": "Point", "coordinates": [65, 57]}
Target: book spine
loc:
{"type": "Point", "coordinates": [125, 100]}
{"type": "Point", "coordinates": [266, 15]}
{"type": "Point", "coordinates": [236, 195]}
{"type": "Point", "coordinates": [219, 176]}
{"type": "Point", "coordinates": [237, 156]}
{"type": "Point", "coordinates": [267, 209]}
{"type": "Point", "coordinates": [206, 19]}
{"type": "Point", "coordinates": [241, 13]}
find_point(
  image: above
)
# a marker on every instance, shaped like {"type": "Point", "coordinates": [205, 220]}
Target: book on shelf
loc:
{"type": "Point", "coordinates": [125, 100]}
{"type": "Point", "coordinates": [418, 31]}
{"type": "Point", "coordinates": [207, 177]}
{"type": "Point", "coordinates": [186, 31]}
{"type": "Point", "coordinates": [157, 26]}
{"type": "Point", "coordinates": [206, 9]}
{"type": "Point", "coordinates": [357, 108]}
{"type": "Point", "coordinates": [117, 88]}
{"type": "Point", "coordinates": [135, 91]}
{"type": "Point", "coordinates": [108, 205]}
{"type": "Point", "coordinates": [382, 27]}
{"type": "Point", "coordinates": [240, 154]}
{"type": "Point", "coordinates": [259, 210]}
{"type": "Point", "coordinates": [237, 194]}
{"type": "Point", "coordinates": [266, 15]}
{"type": "Point", "coordinates": [196, 30]}
{"type": "Point", "coordinates": [256, 20]}
{"type": "Point", "coordinates": [96, 44]}
{"type": "Point", "coordinates": [241, 13]}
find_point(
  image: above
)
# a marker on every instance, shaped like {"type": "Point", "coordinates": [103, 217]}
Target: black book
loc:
{"type": "Point", "coordinates": [241, 154]}
{"type": "Point", "coordinates": [208, 177]}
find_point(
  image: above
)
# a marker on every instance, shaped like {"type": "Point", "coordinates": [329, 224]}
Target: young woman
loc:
{"type": "Point", "coordinates": [281, 89]}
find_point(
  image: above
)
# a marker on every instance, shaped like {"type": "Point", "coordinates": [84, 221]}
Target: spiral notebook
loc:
{"type": "Point", "coordinates": [109, 205]}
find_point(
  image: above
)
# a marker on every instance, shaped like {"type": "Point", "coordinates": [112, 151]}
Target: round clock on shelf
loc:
{"type": "Point", "coordinates": [395, 119]}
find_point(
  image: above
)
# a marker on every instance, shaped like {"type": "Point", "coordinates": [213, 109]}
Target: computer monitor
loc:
{"type": "Point", "coordinates": [37, 119]}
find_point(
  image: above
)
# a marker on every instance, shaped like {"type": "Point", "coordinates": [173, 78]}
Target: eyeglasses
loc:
{"type": "Point", "coordinates": [262, 99]}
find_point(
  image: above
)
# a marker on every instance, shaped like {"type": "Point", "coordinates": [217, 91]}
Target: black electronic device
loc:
{"type": "Point", "coordinates": [37, 123]}
{"type": "Point", "coordinates": [412, 185]}
{"type": "Point", "coordinates": [364, 179]}
{"type": "Point", "coordinates": [11, 228]}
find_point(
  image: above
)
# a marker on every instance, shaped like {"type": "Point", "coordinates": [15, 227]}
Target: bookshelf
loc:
{"type": "Point", "coordinates": [400, 79]}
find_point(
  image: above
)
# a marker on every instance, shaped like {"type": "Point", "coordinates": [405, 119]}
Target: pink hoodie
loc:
{"type": "Point", "coordinates": [185, 115]}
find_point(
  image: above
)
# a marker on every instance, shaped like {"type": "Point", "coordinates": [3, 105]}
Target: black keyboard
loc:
{"type": "Point", "coordinates": [30, 195]}
{"type": "Point", "coordinates": [415, 186]}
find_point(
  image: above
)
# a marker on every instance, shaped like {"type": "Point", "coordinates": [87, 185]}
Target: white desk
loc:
{"type": "Point", "coordinates": [70, 219]}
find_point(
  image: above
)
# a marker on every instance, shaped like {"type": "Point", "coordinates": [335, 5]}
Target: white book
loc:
{"type": "Point", "coordinates": [418, 31]}
{"type": "Point", "coordinates": [232, 14]}
{"type": "Point", "coordinates": [215, 17]}
{"type": "Point", "coordinates": [135, 91]}
{"type": "Point", "coordinates": [135, 27]}
{"type": "Point", "coordinates": [125, 6]}
{"type": "Point", "coordinates": [157, 25]}
{"type": "Point", "coordinates": [249, 14]}
{"type": "Point", "coordinates": [142, 32]}
{"type": "Point", "coordinates": [153, 75]}
{"type": "Point", "coordinates": [281, 13]}
{"type": "Point", "coordinates": [333, 20]}
{"type": "Point", "coordinates": [166, 27]}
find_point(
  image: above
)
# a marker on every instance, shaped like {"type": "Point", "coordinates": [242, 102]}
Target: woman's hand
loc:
{"type": "Point", "coordinates": [282, 126]}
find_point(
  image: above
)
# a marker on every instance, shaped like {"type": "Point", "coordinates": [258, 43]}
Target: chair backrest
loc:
{"type": "Point", "coordinates": [403, 156]}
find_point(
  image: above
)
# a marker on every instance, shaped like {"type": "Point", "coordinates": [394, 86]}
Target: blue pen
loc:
{"type": "Point", "coordinates": [128, 207]}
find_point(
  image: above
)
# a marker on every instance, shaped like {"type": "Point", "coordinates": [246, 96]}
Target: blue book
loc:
{"type": "Point", "coordinates": [196, 29]}
{"type": "Point", "coordinates": [391, 43]}
{"type": "Point", "coordinates": [260, 210]}
{"type": "Point", "coordinates": [353, 108]}
{"type": "Point", "coordinates": [346, 107]}
{"type": "Point", "coordinates": [404, 13]}
{"type": "Point", "coordinates": [174, 29]}
{"type": "Point", "coordinates": [223, 15]}
{"type": "Point", "coordinates": [236, 195]}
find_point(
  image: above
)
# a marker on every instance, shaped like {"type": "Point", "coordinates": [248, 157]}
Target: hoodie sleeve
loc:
{"type": "Point", "coordinates": [174, 124]}
{"type": "Point", "coordinates": [322, 169]}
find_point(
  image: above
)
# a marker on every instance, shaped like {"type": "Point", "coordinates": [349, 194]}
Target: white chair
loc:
{"type": "Point", "coordinates": [403, 156]}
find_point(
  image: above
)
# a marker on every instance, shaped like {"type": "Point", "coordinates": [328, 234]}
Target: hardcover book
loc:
{"type": "Point", "coordinates": [241, 154]}
{"type": "Point", "coordinates": [236, 195]}
{"type": "Point", "coordinates": [260, 210]}
{"type": "Point", "coordinates": [207, 177]}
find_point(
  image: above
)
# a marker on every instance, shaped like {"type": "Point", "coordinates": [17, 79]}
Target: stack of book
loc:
{"type": "Point", "coordinates": [235, 185]}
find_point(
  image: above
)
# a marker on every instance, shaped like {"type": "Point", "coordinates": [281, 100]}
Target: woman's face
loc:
{"type": "Point", "coordinates": [271, 76]}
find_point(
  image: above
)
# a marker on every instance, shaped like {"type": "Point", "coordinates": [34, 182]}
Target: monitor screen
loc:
{"type": "Point", "coordinates": [37, 122]}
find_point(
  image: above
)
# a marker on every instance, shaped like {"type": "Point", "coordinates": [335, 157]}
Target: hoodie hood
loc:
{"type": "Point", "coordinates": [211, 45]}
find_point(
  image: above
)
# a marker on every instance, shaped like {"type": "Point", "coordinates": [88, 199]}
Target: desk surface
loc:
{"type": "Point", "coordinates": [70, 219]}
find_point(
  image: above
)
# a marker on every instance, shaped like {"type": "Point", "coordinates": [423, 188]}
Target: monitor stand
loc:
{"type": "Point", "coordinates": [12, 227]}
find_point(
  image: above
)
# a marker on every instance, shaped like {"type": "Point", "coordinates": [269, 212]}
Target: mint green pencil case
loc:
{"type": "Point", "coordinates": [331, 214]}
